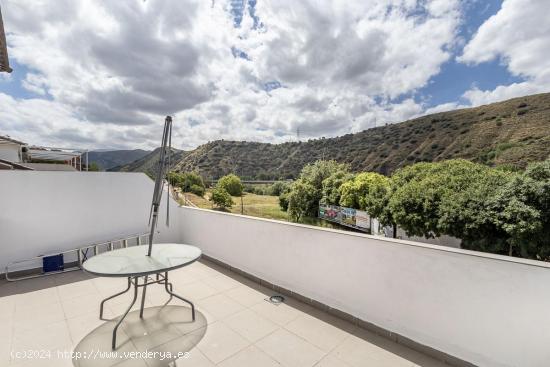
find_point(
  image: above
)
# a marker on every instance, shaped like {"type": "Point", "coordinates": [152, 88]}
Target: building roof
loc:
{"type": "Point", "coordinates": [6, 138]}
{"type": "Point", "coordinates": [53, 154]}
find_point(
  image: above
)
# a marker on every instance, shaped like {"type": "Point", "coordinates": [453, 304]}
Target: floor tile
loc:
{"type": "Point", "coordinates": [317, 332]}
{"type": "Point", "coordinates": [221, 282]}
{"type": "Point", "coordinates": [195, 291]}
{"type": "Point", "coordinates": [290, 350]}
{"type": "Point", "coordinates": [220, 306]}
{"type": "Point", "coordinates": [221, 342]}
{"type": "Point", "coordinates": [280, 314]}
{"type": "Point", "coordinates": [246, 296]}
{"type": "Point", "coordinates": [250, 325]}
{"type": "Point", "coordinates": [194, 358]}
{"type": "Point", "coordinates": [332, 361]}
{"type": "Point", "coordinates": [250, 357]}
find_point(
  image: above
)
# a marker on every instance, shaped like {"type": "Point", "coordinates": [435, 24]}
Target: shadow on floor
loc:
{"type": "Point", "coordinates": [164, 334]}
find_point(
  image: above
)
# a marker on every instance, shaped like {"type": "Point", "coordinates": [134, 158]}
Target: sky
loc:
{"type": "Point", "coordinates": [103, 74]}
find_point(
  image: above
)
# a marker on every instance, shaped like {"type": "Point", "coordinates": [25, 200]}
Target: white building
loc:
{"type": "Point", "coordinates": [11, 149]}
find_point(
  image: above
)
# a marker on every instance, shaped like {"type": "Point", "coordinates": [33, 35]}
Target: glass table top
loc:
{"type": "Point", "coordinates": [133, 261]}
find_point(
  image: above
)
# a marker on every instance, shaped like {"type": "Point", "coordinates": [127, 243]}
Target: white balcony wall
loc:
{"type": "Point", "coordinates": [47, 212]}
{"type": "Point", "coordinates": [488, 310]}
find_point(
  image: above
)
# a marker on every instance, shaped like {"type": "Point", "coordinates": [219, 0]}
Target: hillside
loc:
{"type": "Point", "coordinates": [113, 158]}
{"type": "Point", "coordinates": [148, 162]}
{"type": "Point", "coordinates": [513, 132]}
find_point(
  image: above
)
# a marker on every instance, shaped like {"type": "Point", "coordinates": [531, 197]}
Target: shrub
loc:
{"type": "Point", "coordinates": [186, 181]}
{"type": "Point", "coordinates": [221, 198]}
{"type": "Point", "coordinates": [283, 201]}
{"type": "Point", "coordinates": [278, 188]}
{"type": "Point", "coordinates": [232, 184]}
{"type": "Point", "coordinates": [197, 190]}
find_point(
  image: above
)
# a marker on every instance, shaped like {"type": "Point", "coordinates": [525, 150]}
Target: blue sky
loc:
{"type": "Point", "coordinates": [104, 74]}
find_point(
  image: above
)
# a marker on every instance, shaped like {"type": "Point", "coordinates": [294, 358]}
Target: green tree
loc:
{"type": "Point", "coordinates": [302, 200]}
{"type": "Point", "coordinates": [367, 191]}
{"type": "Point", "coordinates": [449, 197]}
{"type": "Point", "coordinates": [221, 198]}
{"type": "Point", "coordinates": [190, 179]}
{"type": "Point", "coordinates": [232, 184]}
{"type": "Point", "coordinates": [188, 182]}
{"type": "Point", "coordinates": [522, 209]}
{"type": "Point", "coordinates": [465, 209]}
{"type": "Point", "coordinates": [279, 187]}
{"type": "Point", "coordinates": [311, 178]}
{"type": "Point", "coordinates": [331, 186]}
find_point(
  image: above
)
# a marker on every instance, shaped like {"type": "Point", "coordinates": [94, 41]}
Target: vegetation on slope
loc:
{"type": "Point", "coordinates": [108, 159]}
{"type": "Point", "coordinates": [514, 132]}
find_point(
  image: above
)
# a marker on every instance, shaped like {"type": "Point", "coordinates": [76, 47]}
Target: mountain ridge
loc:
{"type": "Point", "coordinates": [107, 159]}
{"type": "Point", "coordinates": [513, 132]}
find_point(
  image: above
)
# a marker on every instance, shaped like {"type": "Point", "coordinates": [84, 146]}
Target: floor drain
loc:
{"type": "Point", "coordinates": [276, 299]}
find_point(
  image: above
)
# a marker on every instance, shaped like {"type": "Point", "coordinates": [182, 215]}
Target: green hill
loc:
{"type": "Point", "coordinates": [512, 132]}
{"type": "Point", "coordinates": [107, 159]}
{"type": "Point", "coordinates": [148, 162]}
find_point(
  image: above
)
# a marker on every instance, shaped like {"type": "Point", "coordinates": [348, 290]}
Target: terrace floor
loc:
{"type": "Point", "coordinates": [235, 326]}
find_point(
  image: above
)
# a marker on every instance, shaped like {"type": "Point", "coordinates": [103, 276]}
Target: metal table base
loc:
{"type": "Point", "coordinates": [161, 278]}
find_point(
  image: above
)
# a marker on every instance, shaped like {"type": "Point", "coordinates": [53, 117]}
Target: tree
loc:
{"type": "Point", "coordinates": [301, 200]}
{"type": "Point", "coordinates": [221, 198]}
{"type": "Point", "coordinates": [188, 182]}
{"type": "Point", "coordinates": [522, 209]}
{"type": "Point", "coordinates": [331, 186]}
{"type": "Point", "coordinates": [366, 191]}
{"type": "Point", "coordinates": [279, 187]}
{"type": "Point", "coordinates": [465, 209]}
{"type": "Point", "coordinates": [232, 184]}
{"type": "Point", "coordinates": [449, 197]}
{"type": "Point", "coordinates": [311, 178]}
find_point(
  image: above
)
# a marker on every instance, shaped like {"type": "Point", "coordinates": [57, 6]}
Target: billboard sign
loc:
{"type": "Point", "coordinates": [348, 217]}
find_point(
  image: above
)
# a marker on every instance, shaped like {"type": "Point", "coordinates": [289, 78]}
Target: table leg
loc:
{"type": "Point", "coordinates": [168, 287]}
{"type": "Point", "coordinates": [125, 313]}
{"type": "Point", "coordinates": [143, 296]}
{"type": "Point", "coordinates": [111, 297]}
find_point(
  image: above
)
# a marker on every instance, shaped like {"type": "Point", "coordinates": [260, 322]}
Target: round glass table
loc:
{"type": "Point", "coordinates": [133, 263]}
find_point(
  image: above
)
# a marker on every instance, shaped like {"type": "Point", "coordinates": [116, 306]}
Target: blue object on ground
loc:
{"type": "Point", "coordinates": [52, 263]}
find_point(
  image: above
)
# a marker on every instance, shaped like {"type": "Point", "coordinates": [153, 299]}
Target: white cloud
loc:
{"type": "Point", "coordinates": [111, 70]}
{"type": "Point", "coordinates": [519, 36]}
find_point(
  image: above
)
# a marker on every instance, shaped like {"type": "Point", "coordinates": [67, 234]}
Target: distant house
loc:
{"type": "Point", "coordinates": [11, 149]}
{"type": "Point", "coordinates": [15, 154]}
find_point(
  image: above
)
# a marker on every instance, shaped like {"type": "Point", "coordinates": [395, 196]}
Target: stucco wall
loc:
{"type": "Point", "coordinates": [10, 152]}
{"type": "Point", "coordinates": [488, 310]}
{"type": "Point", "coordinates": [45, 212]}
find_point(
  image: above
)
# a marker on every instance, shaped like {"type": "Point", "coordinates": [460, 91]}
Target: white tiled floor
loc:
{"type": "Point", "coordinates": [235, 326]}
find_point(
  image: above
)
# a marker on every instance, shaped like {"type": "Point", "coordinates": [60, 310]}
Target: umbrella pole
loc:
{"type": "Point", "coordinates": [159, 181]}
